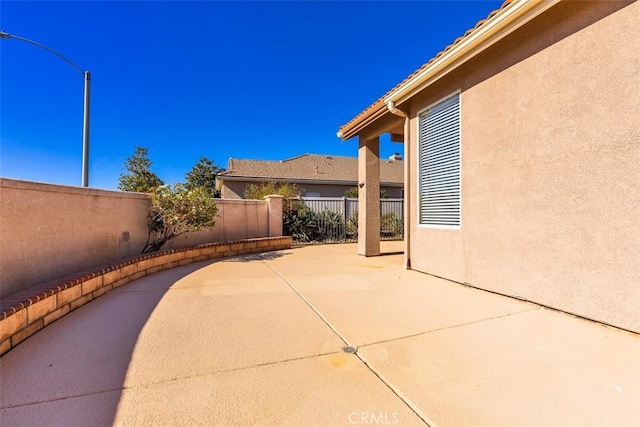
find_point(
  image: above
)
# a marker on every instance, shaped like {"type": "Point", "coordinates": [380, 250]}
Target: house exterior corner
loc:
{"type": "Point", "coordinates": [549, 143]}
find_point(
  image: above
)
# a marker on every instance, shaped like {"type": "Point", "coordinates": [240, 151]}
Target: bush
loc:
{"type": "Point", "coordinates": [177, 210]}
{"type": "Point", "coordinates": [391, 225]}
{"type": "Point", "coordinates": [305, 225]}
{"type": "Point", "coordinates": [298, 221]}
{"type": "Point", "coordinates": [352, 224]}
{"type": "Point", "coordinates": [352, 193]}
{"type": "Point", "coordinates": [260, 191]}
{"type": "Point", "coordinates": [330, 225]}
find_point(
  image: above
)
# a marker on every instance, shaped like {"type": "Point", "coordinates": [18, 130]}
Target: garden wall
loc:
{"type": "Point", "coordinates": [26, 312]}
{"type": "Point", "coordinates": [49, 231]}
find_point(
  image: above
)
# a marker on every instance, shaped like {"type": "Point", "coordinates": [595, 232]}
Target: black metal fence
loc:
{"type": "Point", "coordinates": [335, 219]}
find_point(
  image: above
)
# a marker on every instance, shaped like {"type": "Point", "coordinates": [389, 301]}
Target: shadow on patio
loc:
{"type": "Point", "coordinates": [258, 342]}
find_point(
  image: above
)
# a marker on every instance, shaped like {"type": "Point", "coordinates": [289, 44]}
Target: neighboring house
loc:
{"type": "Point", "coordinates": [315, 175]}
{"type": "Point", "coordinates": [522, 148]}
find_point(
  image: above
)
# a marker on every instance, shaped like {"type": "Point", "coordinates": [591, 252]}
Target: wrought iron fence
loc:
{"type": "Point", "coordinates": [335, 219]}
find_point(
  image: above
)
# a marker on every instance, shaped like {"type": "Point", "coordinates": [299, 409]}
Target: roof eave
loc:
{"type": "Point", "coordinates": [352, 129]}
{"type": "Point", "coordinates": [501, 25]}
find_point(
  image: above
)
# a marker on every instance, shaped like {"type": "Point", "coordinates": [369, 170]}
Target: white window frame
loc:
{"type": "Point", "coordinates": [417, 150]}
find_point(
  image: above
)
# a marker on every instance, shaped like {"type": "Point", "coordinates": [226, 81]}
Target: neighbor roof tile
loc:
{"type": "Point", "coordinates": [314, 167]}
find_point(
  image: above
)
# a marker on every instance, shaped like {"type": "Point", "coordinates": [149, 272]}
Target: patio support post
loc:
{"type": "Point", "coordinates": [369, 197]}
{"type": "Point", "coordinates": [275, 204]}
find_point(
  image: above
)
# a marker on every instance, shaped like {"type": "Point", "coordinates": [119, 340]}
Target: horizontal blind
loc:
{"type": "Point", "coordinates": [439, 164]}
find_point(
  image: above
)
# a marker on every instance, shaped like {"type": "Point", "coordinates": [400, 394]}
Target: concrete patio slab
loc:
{"type": "Point", "coordinates": [361, 309]}
{"type": "Point", "coordinates": [534, 368]}
{"type": "Point", "coordinates": [257, 340]}
{"type": "Point", "coordinates": [85, 352]}
{"type": "Point", "coordinates": [205, 331]}
{"type": "Point", "coordinates": [319, 391]}
{"type": "Point", "coordinates": [329, 260]}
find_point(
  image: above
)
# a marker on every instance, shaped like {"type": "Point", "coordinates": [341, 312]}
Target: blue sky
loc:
{"type": "Point", "coordinates": [257, 80]}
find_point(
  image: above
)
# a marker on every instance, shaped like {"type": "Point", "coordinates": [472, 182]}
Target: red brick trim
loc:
{"type": "Point", "coordinates": [26, 312]}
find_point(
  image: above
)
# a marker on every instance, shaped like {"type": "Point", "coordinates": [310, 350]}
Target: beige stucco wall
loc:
{"type": "Point", "coordinates": [48, 231]}
{"type": "Point", "coordinates": [550, 177]}
{"type": "Point", "coordinates": [235, 190]}
{"type": "Point", "coordinates": [237, 220]}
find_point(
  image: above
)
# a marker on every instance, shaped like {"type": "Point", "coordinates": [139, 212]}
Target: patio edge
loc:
{"type": "Point", "coordinates": [26, 312]}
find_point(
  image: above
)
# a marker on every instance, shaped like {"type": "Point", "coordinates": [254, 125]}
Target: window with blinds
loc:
{"type": "Point", "coordinates": [439, 164]}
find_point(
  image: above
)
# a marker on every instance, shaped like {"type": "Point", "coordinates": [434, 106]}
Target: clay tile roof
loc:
{"type": "Point", "coordinates": [313, 167]}
{"type": "Point", "coordinates": [380, 102]}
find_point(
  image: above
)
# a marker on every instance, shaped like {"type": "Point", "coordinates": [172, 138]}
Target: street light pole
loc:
{"type": "Point", "coordinates": [85, 129]}
{"type": "Point", "coordinates": [87, 102]}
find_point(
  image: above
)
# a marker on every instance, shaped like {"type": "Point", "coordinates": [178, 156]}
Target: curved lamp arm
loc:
{"type": "Point", "coordinates": [87, 99]}
{"type": "Point", "coordinates": [5, 35]}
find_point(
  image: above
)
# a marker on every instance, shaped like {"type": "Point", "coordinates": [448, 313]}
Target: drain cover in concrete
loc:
{"type": "Point", "coordinates": [349, 349]}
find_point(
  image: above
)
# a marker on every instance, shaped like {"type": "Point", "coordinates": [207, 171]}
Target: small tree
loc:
{"type": "Point", "coordinates": [139, 177]}
{"type": "Point", "coordinates": [177, 210]}
{"type": "Point", "coordinates": [260, 191]}
{"type": "Point", "coordinates": [352, 193]}
{"type": "Point", "coordinates": [203, 174]}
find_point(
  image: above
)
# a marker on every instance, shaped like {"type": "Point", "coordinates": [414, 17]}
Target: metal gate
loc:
{"type": "Point", "coordinates": [319, 220]}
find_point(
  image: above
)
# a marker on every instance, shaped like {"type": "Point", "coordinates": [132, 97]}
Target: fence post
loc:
{"type": "Point", "coordinates": [383, 225]}
{"type": "Point", "coordinates": [344, 209]}
{"type": "Point", "coordinates": [402, 212]}
{"type": "Point", "coordinates": [346, 219]}
{"type": "Point", "coordinates": [274, 208]}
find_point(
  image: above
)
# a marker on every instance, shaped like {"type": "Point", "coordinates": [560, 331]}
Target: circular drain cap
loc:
{"type": "Point", "coordinates": [349, 349]}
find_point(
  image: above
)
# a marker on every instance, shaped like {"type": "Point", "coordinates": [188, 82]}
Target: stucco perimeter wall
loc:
{"type": "Point", "coordinates": [48, 231]}
{"type": "Point", "coordinates": [237, 220]}
{"type": "Point", "coordinates": [550, 177]}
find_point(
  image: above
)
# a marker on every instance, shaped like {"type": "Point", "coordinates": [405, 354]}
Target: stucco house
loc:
{"type": "Point", "coordinates": [315, 175]}
{"type": "Point", "coordinates": [521, 147]}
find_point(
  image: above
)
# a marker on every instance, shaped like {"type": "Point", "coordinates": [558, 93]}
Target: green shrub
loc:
{"type": "Point", "coordinates": [391, 225]}
{"type": "Point", "coordinates": [352, 224]}
{"type": "Point", "coordinates": [261, 190]}
{"type": "Point", "coordinates": [305, 225]}
{"type": "Point", "coordinates": [176, 210]}
{"type": "Point", "coordinates": [330, 225]}
{"type": "Point", "coordinates": [298, 221]}
{"type": "Point", "coordinates": [352, 193]}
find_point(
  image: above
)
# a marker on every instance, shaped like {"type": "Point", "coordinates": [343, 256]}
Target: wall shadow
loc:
{"type": "Point", "coordinates": [267, 256]}
{"type": "Point", "coordinates": [73, 372]}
